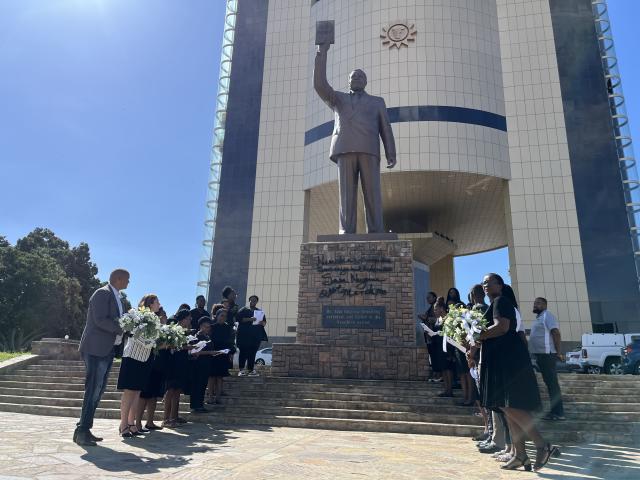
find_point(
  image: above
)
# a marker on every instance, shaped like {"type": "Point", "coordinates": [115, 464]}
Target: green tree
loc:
{"type": "Point", "coordinates": [45, 285]}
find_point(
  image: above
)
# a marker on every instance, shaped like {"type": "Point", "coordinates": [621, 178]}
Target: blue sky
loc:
{"type": "Point", "coordinates": [106, 112]}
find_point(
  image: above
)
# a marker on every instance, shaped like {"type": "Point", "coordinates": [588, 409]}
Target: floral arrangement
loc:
{"type": "Point", "coordinates": [172, 336]}
{"type": "Point", "coordinates": [463, 325]}
{"type": "Point", "coordinates": [142, 324]}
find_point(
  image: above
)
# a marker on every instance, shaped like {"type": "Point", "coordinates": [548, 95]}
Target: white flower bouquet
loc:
{"type": "Point", "coordinates": [463, 325]}
{"type": "Point", "coordinates": [172, 336]}
{"type": "Point", "coordinates": [144, 328]}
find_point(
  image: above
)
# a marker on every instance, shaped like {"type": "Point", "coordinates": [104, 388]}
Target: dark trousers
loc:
{"type": "Point", "coordinates": [199, 380]}
{"type": "Point", "coordinates": [547, 365]}
{"type": "Point", "coordinates": [247, 355]}
{"type": "Point", "coordinates": [367, 168]}
{"type": "Point", "coordinates": [95, 383]}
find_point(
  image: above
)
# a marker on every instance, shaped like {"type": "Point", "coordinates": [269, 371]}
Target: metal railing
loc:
{"type": "Point", "coordinates": [215, 165]}
{"type": "Point", "coordinates": [620, 123]}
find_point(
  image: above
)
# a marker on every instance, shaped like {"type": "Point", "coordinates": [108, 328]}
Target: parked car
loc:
{"type": "Point", "coordinates": [601, 352]}
{"type": "Point", "coordinates": [573, 360]}
{"type": "Point", "coordinates": [561, 367]}
{"type": "Point", "coordinates": [631, 358]}
{"type": "Point", "coordinates": [263, 357]}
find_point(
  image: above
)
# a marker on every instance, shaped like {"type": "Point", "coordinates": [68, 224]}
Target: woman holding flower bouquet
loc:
{"type": "Point", "coordinates": [507, 380]}
{"type": "Point", "coordinates": [142, 327]}
{"type": "Point", "coordinates": [177, 380]}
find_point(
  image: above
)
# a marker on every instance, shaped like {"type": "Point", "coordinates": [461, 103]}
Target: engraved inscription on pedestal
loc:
{"type": "Point", "coordinates": [353, 317]}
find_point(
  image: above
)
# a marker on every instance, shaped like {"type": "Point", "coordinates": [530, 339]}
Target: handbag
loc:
{"type": "Point", "coordinates": [136, 350]}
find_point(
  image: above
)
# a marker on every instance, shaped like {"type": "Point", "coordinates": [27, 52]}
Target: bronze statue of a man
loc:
{"type": "Point", "coordinates": [360, 120]}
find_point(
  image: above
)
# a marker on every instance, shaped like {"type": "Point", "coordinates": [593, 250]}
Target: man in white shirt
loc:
{"type": "Point", "coordinates": [101, 333]}
{"type": "Point", "coordinates": [545, 343]}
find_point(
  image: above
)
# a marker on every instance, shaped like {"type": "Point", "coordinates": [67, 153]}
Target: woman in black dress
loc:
{"type": "Point", "coordinates": [155, 387]}
{"type": "Point", "coordinates": [443, 361]}
{"type": "Point", "coordinates": [177, 376]}
{"type": "Point", "coordinates": [133, 378]}
{"type": "Point", "coordinates": [507, 380]}
{"type": "Point", "coordinates": [222, 338]}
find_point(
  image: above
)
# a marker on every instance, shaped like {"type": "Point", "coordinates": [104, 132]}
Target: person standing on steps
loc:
{"type": "Point", "coordinates": [545, 343]}
{"type": "Point", "coordinates": [250, 334]}
{"type": "Point", "coordinates": [507, 380]}
{"type": "Point", "coordinates": [198, 312]}
{"type": "Point", "coordinates": [101, 334]}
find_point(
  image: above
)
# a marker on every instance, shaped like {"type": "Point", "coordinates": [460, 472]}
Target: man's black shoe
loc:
{"type": "Point", "coordinates": [82, 438]}
{"type": "Point", "coordinates": [551, 417]}
{"type": "Point", "coordinates": [93, 437]}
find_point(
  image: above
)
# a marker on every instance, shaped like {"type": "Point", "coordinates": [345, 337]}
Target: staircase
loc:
{"type": "Point", "coordinates": [599, 408]}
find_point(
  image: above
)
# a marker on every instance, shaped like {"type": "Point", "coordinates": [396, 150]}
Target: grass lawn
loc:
{"type": "Point", "coordinates": [8, 355]}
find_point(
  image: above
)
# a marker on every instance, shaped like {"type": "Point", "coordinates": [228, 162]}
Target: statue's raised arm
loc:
{"type": "Point", "coordinates": [320, 83]}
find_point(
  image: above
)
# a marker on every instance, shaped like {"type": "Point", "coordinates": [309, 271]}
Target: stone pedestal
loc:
{"type": "Point", "coordinates": [355, 314]}
{"type": "Point", "coordinates": [58, 348]}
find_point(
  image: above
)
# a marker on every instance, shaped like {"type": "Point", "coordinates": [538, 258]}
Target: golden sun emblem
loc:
{"type": "Point", "coordinates": [398, 34]}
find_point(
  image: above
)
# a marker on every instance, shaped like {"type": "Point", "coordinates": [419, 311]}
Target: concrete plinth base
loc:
{"type": "Point", "coordinates": [353, 361]}
{"type": "Point", "coordinates": [355, 313]}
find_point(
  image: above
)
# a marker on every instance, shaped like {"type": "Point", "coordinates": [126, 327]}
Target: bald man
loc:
{"type": "Point", "coordinates": [101, 333]}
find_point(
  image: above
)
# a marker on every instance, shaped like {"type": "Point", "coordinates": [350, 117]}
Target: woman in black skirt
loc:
{"type": "Point", "coordinates": [133, 378]}
{"type": "Point", "coordinates": [155, 387]}
{"type": "Point", "coordinates": [222, 337]}
{"type": "Point", "coordinates": [177, 374]}
{"type": "Point", "coordinates": [507, 380]}
{"type": "Point", "coordinates": [443, 361]}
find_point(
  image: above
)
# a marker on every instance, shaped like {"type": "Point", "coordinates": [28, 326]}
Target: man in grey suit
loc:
{"type": "Point", "coordinates": [101, 333]}
{"type": "Point", "coordinates": [360, 121]}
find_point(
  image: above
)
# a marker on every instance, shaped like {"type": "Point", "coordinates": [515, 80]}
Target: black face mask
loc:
{"type": "Point", "coordinates": [536, 310]}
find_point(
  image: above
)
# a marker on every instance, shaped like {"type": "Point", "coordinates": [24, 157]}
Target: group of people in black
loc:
{"type": "Point", "coordinates": [195, 369]}
{"type": "Point", "coordinates": [496, 374]}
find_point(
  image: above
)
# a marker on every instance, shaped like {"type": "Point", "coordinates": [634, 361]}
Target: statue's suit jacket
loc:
{"type": "Point", "coordinates": [360, 119]}
{"type": "Point", "coordinates": [102, 326]}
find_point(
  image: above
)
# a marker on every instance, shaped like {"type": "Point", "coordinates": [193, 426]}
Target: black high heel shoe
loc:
{"type": "Point", "coordinates": [517, 462]}
{"type": "Point", "coordinates": [544, 454]}
{"type": "Point", "coordinates": [125, 433]}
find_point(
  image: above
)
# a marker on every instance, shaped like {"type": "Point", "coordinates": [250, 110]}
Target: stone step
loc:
{"type": "Point", "coordinates": [218, 418]}
{"type": "Point", "coordinates": [233, 407]}
{"type": "Point", "coordinates": [582, 411]}
{"type": "Point", "coordinates": [272, 383]}
{"type": "Point", "coordinates": [267, 385]}
{"type": "Point", "coordinates": [349, 394]}
{"type": "Point", "coordinates": [583, 379]}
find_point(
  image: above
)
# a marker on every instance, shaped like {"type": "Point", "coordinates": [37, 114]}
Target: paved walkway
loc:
{"type": "Point", "coordinates": [41, 447]}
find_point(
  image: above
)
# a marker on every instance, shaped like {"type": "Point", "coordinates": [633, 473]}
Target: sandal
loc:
{"type": "Point", "coordinates": [125, 433]}
{"type": "Point", "coordinates": [517, 462]}
{"type": "Point", "coordinates": [505, 457]}
{"type": "Point", "coordinates": [152, 427]}
{"type": "Point", "coordinates": [544, 454]}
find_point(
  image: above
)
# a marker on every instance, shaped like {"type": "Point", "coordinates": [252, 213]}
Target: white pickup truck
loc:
{"type": "Point", "coordinates": [601, 352]}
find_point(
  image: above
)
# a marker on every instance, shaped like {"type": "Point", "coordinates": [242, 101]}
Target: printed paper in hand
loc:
{"type": "Point", "coordinates": [199, 346]}
{"type": "Point", "coordinates": [430, 332]}
{"type": "Point", "coordinates": [259, 314]}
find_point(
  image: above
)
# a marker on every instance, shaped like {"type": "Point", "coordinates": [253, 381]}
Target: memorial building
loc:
{"type": "Point", "coordinates": [510, 131]}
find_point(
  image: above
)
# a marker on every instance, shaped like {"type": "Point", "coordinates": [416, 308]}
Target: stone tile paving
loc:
{"type": "Point", "coordinates": [39, 447]}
